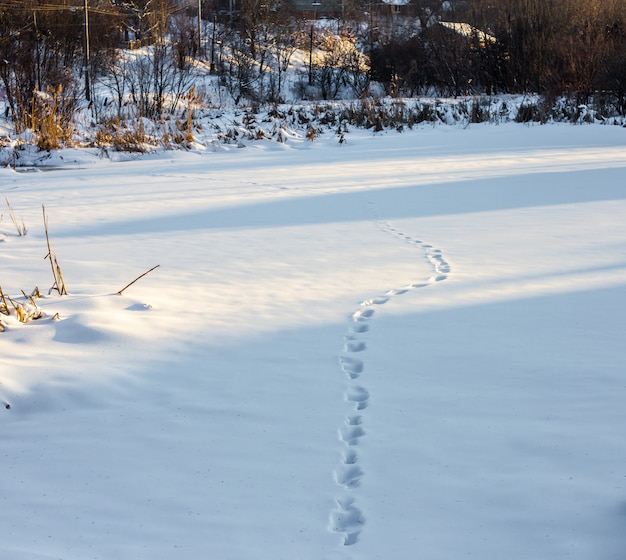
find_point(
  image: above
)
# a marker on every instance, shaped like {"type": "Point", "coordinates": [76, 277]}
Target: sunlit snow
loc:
{"type": "Point", "coordinates": [405, 346]}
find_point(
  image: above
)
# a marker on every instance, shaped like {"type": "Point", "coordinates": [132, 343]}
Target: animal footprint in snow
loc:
{"type": "Point", "coordinates": [349, 457]}
{"type": "Point", "coordinates": [354, 346]}
{"type": "Point", "coordinates": [351, 366]}
{"type": "Point", "coordinates": [440, 264]}
{"type": "Point", "coordinates": [348, 476]}
{"type": "Point", "coordinates": [375, 301]}
{"type": "Point", "coordinates": [359, 328]}
{"type": "Point", "coordinates": [347, 518]}
{"type": "Point", "coordinates": [359, 396]}
{"type": "Point", "coordinates": [363, 314]}
{"type": "Point", "coordinates": [397, 292]}
{"type": "Point", "coordinates": [350, 434]}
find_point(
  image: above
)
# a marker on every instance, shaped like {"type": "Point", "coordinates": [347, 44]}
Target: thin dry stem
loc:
{"type": "Point", "coordinates": [138, 278]}
{"type": "Point", "coordinates": [5, 306]}
{"type": "Point", "coordinates": [30, 298]}
{"type": "Point", "coordinates": [59, 284]}
{"type": "Point", "coordinates": [21, 230]}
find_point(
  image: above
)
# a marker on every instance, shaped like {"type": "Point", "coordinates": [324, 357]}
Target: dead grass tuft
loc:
{"type": "Point", "coordinates": [25, 311]}
{"type": "Point", "coordinates": [20, 227]}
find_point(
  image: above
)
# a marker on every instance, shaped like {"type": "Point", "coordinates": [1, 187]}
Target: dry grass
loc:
{"type": "Point", "coordinates": [51, 119]}
{"type": "Point", "coordinates": [25, 311]}
{"type": "Point", "coordinates": [20, 227]}
{"type": "Point", "coordinates": [4, 306]}
{"type": "Point", "coordinates": [122, 137]}
{"type": "Point", "coordinates": [4, 309]}
{"type": "Point", "coordinates": [59, 284]}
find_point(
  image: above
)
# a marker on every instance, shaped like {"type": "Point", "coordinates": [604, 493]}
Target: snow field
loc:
{"type": "Point", "coordinates": [405, 346]}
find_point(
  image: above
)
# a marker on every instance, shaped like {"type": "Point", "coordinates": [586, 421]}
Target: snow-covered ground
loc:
{"type": "Point", "coordinates": [406, 346]}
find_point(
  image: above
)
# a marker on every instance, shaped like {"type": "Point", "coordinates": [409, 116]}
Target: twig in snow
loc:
{"type": "Point", "coordinates": [138, 277]}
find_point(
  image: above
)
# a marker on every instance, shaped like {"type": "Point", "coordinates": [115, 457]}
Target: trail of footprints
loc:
{"type": "Point", "coordinates": [346, 518]}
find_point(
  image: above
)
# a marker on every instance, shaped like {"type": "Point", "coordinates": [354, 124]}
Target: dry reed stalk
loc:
{"type": "Point", "coordinates": [138, 278]}
{"type": "Point", "coordinates": [24, 315]}
{"type": "Point", "coordinates": [21, 230]}
{"type": "Point", "coordinates": [59, 284]}
{"type": "Point", "coordinates": [31, 298]}
{"type": "Point", "coordinates": [5, 306]}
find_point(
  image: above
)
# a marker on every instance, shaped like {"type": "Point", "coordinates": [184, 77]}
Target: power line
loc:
{"type": "Point", "coordinates": [60, 8]}
{"type": "Point", "coordinates": [14, 4]}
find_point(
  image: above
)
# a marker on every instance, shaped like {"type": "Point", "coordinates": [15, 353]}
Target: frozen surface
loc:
{"type": "Point", "coordinates": [409, 345]}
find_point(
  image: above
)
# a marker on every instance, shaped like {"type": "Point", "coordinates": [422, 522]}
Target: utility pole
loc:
{"type": "Point", "coordinates": [199, 28]}
{"type": "Point", "coordinates": [311, 57]}
{"type": "Point", "coordinates": [371, 30]}
{"type": "Point", "coordinates": [37, 54]}
{"type": "Point", "coordinates": [86, 48]}
{"type": "Point", "coordinates": [213, 45]}
{"type": "Point", "coordinates": [315, 5]}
